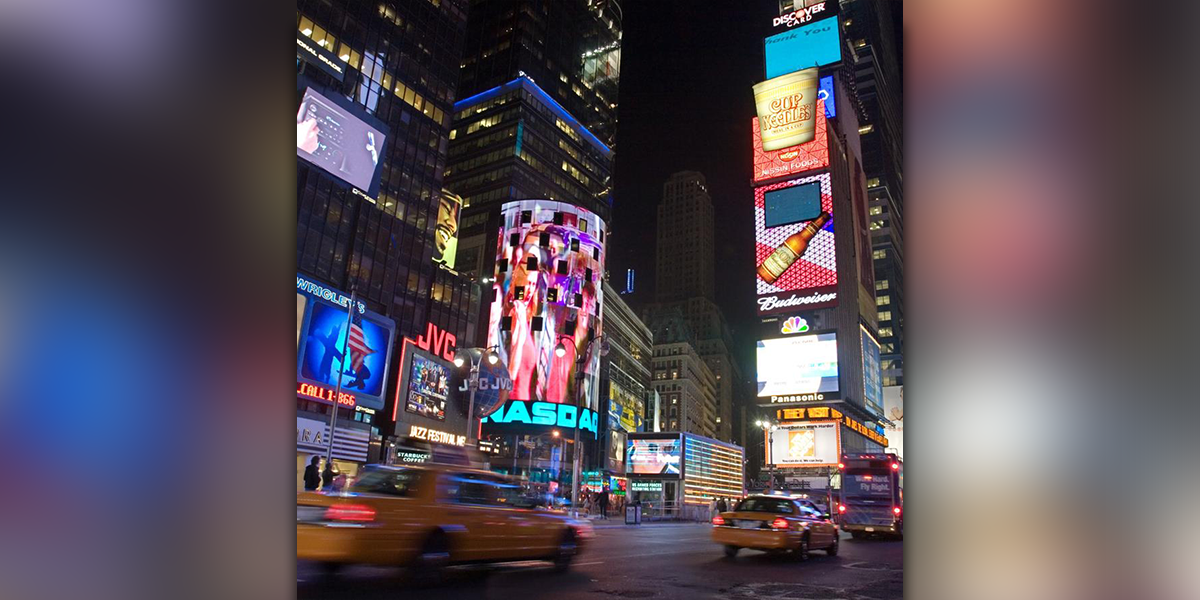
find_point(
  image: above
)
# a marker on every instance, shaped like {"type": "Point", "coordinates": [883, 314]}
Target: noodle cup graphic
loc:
{"type": "Point", "coordinates": [787, 109]}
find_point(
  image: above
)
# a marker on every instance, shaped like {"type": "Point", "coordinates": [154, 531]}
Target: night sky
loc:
{"type": "Point", "coordinates": [687, 69]}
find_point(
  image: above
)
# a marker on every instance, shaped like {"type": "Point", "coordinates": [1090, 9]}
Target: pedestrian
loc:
{"type": "Point", "coordinates": [339, 482]}
{"type": "Point", "coordinates": [603, 504]}
{"type": "Point", "coordinates": [721, 506]}
{"type": "Point", "coordinates": [312, 475]}
{"type": "Point", "coordinates": [327, 477]}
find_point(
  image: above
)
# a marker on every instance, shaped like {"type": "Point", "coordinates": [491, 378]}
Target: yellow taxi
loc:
{"type": "Point", "coordinates": [775, 524]}
{"type": "Point", "coordinates": [430, 516]}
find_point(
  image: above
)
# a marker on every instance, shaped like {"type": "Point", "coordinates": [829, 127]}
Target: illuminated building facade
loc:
{"type": "Point", "coordinates": [395, 64]}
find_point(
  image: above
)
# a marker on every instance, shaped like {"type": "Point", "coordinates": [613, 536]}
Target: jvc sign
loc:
{"type": "Point", "coordinates": [517, 416]}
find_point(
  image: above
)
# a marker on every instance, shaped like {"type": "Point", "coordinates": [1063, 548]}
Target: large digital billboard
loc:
{"type": "Point", "coordinates": [799, 368]}
{"type": "Point", "coordinates": [787, 109]}
{"type": "Point", "coordinates": [327, 340]}
{"type": "Point", "coordinates": [525, 417]}
{"type": "Point", "coordinates": [330, 137]}
{"type": "Point", "coordinates": [625, 408]}
{"type": "Point", "coordinates": [654, 457]}
{"type": "Point", "coordinates": [799, 12]}
{"type": "Point", "coordinates": [446, 234]}
{"type": "Point", "coordinates": [796, 264]}
{"type": "Point", "coordinates": [549, 261]}
{"type": "Point", "coordinates": [815, 444]}
{"type": "Point", "coordinates": [428, 386]}
{"type": "Point", "coordinates": [814, 44]}
{"type": "Point", "coordinates": [872, 373]}
{"type": "Point", "coordinates": [796, 159]}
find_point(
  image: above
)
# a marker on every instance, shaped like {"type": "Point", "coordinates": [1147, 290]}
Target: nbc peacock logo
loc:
{"type": "Point", "coordinates": [794, 325]}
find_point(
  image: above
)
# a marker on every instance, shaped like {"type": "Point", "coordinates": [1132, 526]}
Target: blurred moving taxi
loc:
{"type": "Point", "coordinates": [430, 516]}
{"type": "Point", "coordinates": [775, 524]}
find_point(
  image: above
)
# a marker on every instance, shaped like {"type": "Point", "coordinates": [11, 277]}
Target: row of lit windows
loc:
{"type": "Point", "coordinates": [371, 68]}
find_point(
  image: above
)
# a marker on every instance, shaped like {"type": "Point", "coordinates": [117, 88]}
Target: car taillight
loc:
{"type": "Point", "coordinates": [896, 509]}
{"type": "Point", "coordinates": [717, 520]}
{"type": "Point", "coordinates": [350, 512]}
{"type": "Point", "coordinates": [841, 465]}
{"type": "Point", "coordinates": [895, 466]}
{"type": "Point", "coordinates": [841, 508]}
{"type": "Point", "coordinates": [779, 523]}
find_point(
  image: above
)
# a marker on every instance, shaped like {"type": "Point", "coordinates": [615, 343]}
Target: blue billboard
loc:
{"type": "Point", "coordinates": [326, 341]}
{"type": "Point", "coordinates": [825, 92]}
{"type": "Point", "coordinates": [813, 45]}
{"type": "Point", "coordinates": [872, 373]}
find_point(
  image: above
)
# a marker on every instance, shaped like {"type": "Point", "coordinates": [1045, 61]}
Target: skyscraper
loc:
{"type": "Point", "coordinates": [871, 28]}
{"type": "Point", "coordinates": [685, 274]}
{"type": "Point", "coordinates": [393, 67]}
{"type": "Point", "coordinates": [535, 119]}
{"type": "Point", "coordinates": [684, 254]}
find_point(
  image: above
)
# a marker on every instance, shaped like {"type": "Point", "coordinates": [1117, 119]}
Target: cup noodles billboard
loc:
{"type": "Point", "coordinates": [549, 261]}
{"type": "Point", "coordinates": [787, 109]}
{"type": "Point", "coordinates": [796, 159]}
{"type": "Point", "coordinates": [796, 263]}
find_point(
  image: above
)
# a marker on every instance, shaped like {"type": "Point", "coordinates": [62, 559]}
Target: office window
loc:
{"type": "Point", "coordinates": [886, 331]}
{"type": "Point", "coordinates": [882, 300]}
{"type": "Point", "coordinates": [879, 254]}
{"type": "Point", "coordinates": [885, 315]}
{"type": "Point", "coordinates": [881, 284]}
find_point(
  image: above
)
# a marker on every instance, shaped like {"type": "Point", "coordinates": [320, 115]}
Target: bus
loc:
{"type": "Point", "coordinates": [871, 499]}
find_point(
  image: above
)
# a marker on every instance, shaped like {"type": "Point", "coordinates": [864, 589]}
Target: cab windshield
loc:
{"type": "Point", "coordinates": [392, 482]}
{"type": "Point", "coordinates": [768, 505]}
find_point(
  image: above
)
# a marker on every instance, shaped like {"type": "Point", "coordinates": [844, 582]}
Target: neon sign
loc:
{"type": "Point", "coordinates": [438, 341]}
{"type": "Point", "coordinates": [551, 414]}
{"type": "Point", "coordinates": [323, 394]}
{"type": "Point", "coordinates": [794, 325]}
{"type": "Point", "coordinates": [825, 412]}
{"type": "Point", "coordinates": [434, 435]}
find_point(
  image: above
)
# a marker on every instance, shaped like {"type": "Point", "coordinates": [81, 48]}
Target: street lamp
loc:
{"type": "Point", "coordinates": [474, 356]}
{"type": "Point", "coordinates": [560, 351]}
{"type": "Point", "coordinates": [770, 428]}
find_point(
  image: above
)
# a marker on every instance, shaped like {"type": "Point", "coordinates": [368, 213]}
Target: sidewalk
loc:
{"type": "Point", "coordinates": [614, 523]}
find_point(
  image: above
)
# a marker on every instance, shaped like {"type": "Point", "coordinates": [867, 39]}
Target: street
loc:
{"type": "Point", "coordinates": [651, 561]}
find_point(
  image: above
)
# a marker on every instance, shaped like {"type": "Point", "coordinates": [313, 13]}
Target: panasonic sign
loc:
{"type": "Point", "coordinates": [523, 414]}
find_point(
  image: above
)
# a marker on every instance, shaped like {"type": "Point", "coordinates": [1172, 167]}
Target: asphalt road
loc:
{"type": "Point", "coordinates": [658, 561]}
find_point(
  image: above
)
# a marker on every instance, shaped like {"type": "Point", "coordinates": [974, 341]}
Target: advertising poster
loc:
{"type": "Point", "coordinates": [327, 341]}
{"type": "Point", "coordinates": [793, 160]}
{"type": "Point", "coordinates": [625, 409]}
{"type": "Point", "coordinates": [428, 387]}
{"type": "Point", "coordinates": [796, 263]}
{"type": "Point", "coordinates": [549, 262]}
{"type": "Point", "coordinates": [654, 457]}
{"type": "Point", "coordinates": [893, 407]}
{"type": "Point", "coordinates": [872, 373]}
{"type": "Point", "coordinates": [815, 444]}
{"type": "Point", "coordinates": [800, 365]}
{"type": "Point", "coordinates": [616, 450]}
{"type": "Point", "coordinates": [814, 44]}
{"type": "Point", "coordinates": [787, 109]}
{"type": "Point", "coordinates": [445, 236]}
{"type": "Point", "coordinates": [328, 136]}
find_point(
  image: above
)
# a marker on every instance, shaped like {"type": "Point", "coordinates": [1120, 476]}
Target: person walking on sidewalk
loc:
{"type": "Point", "coordinates": [312, 475]}
{"type": "Point", "coordinates": [603, 504]}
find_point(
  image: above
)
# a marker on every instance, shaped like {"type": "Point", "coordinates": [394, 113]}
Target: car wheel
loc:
{"type": "Point", "coordinates": [832, 550]}
{"type": "Point", "coordinates": [731, 551]}
{"type": "Point", "coordinates": [801, 551]}
{"type": "Point", "coordinates": [432, 559]}
{"type": "Point", "coordinates": [858, 535]}
{"type": "Point", "coordinates": [567, 548]}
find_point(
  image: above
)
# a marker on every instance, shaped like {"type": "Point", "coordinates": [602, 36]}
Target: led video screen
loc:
{"type": "Point", "coordinates": [428, 387]}
{"type": "Point", "coordinates": [794, 204]}
{"type": "Point", "coordinates": [364, 347]}
{"type": "Point", "coordinates": [328, 136]}
{"type": "Point", "coordinates": [549, 264]}
{"type": "Point", "coordinates": [799, 256]}
{"type": "Point", "coordinates": [654, 457]}
{"type": "Point", "coordinates": [800, 365]}
{"type": "Point", "coordinates": [795, 160]}
{"type": "Point", "coordinates": [815, 44]}
{"type": "Point", "coordinates": [809, 445]}
{"type": "Point", "coordinates": [872, 372]}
